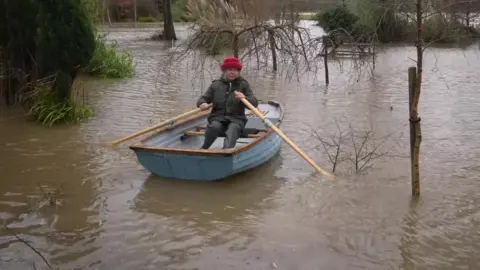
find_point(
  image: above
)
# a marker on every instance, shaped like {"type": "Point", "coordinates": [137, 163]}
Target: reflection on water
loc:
{"type": "Point", "coordinates": [409, 238]}
{"type": "Point", "coordinates": [112, 214]}
{"type": "Point", "coordinates": [209, 204]}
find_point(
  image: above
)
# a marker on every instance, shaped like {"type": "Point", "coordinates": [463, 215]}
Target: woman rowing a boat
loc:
{"type": "Point", "coordinates": [228, 112]}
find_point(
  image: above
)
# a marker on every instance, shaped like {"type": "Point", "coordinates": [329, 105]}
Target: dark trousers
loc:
{"type": "Point", "coordinates": [217, 128]}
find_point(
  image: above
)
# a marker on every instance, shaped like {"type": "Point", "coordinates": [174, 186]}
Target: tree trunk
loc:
{"type": "Point", "coordinates": [168, 28]}
{"type": "Point", "coordinates": [272, 47]}
{"type": "Point", "coordinates": [235, 46]}
{"type": "Point", "coordinates": [254, 35]}
{"type": "Point", "coordinates": [416, 132]}
{"type": "Point", "coordinates": [135, 12]}
{"type": "Point", "coordinates": [103, 12]}
{"type": "Point", "coordinates": [108, 15]}
{"type": "Point", "coordinates": [292, 18]}
{"type": "Point", "coordinates": [419, 45]}
{"type": "Point", "coordinates": [467, 18]}
{"type": "Point", "coordinates": [284, 12]}
{"type": "Point", "coordinates": [244, 9]}
{"type": "Point", "coordinates": [326, 41]}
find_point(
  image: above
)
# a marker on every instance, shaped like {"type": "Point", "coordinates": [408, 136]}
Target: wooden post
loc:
{"type": "Point", "coordinates": [103, 12]}
{"type": "Point", "coordinates": [106, 8]}
{"type": "Point", "coordinates": [415, 134]}
{"type": "Point", "coordinates": [292, 17]}
{"type": "Point", "coordinates": [277, 16]}
{"type": "Point", "coordinates": [325, 60]}
{"type": "Point", "coordinates": [373, 53]}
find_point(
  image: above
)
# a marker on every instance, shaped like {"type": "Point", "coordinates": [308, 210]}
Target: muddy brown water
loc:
{"type": "Point", "coordinates": [111, 214]}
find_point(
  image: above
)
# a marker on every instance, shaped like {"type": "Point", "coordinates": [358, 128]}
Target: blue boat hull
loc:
{"type": "Point", "coordinates": [208, 168]}
{"type": "Point", "coordinates": [176, 153]}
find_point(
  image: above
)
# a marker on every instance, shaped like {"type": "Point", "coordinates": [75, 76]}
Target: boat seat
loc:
{"type": "Point", "coordinates": [246, 132]}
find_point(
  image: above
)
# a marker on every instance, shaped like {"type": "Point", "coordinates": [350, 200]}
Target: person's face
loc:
{"type": "Point", "coordinates": [231, 73]}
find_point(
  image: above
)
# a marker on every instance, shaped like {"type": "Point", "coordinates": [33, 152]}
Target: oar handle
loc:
{"type": "Point", "coordinates": [253, 109]}
{"type": "Point", "coordinates": [164, 123]}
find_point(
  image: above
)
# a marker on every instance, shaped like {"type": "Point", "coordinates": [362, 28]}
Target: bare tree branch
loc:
{"type": "Point", "coordinates": [360, 148]}
{"type": "Point", "coordinates": [28, 245]}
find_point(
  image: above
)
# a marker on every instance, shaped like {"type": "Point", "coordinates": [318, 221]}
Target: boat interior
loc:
{"type": "Point", "coordinates": [192, 134]}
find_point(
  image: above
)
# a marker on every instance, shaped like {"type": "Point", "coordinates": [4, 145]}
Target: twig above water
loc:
{"type": "Point", "coordinates": [28, 245]}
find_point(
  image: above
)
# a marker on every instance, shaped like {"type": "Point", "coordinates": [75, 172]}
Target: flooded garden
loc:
{"type": "Point", "coordinates": [84, 205]}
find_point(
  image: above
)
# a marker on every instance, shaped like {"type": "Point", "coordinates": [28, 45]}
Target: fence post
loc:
{"type": "Point", "coordinates": [415, 134]}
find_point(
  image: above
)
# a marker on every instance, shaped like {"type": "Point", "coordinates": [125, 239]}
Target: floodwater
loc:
{"type": "Point", "coordinates": [107, 212]}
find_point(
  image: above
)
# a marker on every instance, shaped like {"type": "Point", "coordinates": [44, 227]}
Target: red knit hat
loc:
{"type": "Point", "coordinates": [231, 62]}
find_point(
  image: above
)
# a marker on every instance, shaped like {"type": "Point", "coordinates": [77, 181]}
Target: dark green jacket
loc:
{"type": "Point", "coordinates": [226, 106]}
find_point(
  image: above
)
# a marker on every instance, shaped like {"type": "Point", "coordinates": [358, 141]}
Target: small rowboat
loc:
{"type": "Point", "coordinates": [174, 151]}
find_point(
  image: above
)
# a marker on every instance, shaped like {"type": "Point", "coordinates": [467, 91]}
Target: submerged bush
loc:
{"type": "Point", "coordinates": [390, 27]}
{"type": "Point", "coordinates": [438, 29]}
{"type": "Point", "coordinates": [342, 21]}
{"type": "Point", "coordinates": [108, 62]}
{"type": "Point", "coordinates": [48, 110]}
{"type": "Point", "coordinates": [335, 18]}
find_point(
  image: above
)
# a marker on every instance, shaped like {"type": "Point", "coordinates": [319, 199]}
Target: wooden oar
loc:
{"type": "Point", "coordinates": [164, 123]}
{"type": "Point", "coordinates": [285, 138]}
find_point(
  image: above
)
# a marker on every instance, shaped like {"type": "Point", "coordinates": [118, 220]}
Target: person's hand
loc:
{"type": "Point", "coordinates": [239, 95]}
{"type": "Point", "coordinates": [203, 106]}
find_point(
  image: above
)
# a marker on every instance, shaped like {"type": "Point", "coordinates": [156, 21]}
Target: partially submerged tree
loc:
{"type": "Point", "coordinates": [168, 27]}
{"type": "Point", "coordinates": [219, 25]}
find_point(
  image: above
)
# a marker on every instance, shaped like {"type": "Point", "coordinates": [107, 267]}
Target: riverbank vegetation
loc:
{"type": "Point", "coordinates": [47, 110]}
{"type": "Point", "coordinates": [108, 62]}
{"type": "Point", "coordinates": [44, 47]}
{"type": "Point", "coordinates": [179, 11]}
{"type": "Point", "coordinates": [46, 44]}
{"type": "Point", "coordinates": [388, 21]}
